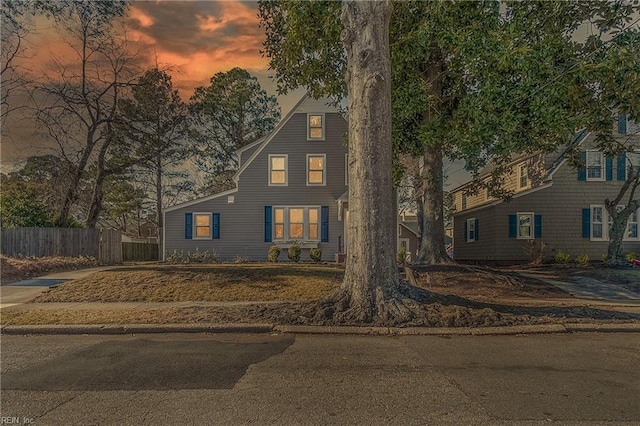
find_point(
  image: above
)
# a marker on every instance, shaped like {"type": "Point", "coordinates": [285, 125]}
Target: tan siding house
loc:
{"type": "Point", "coordinates": [561, 207]}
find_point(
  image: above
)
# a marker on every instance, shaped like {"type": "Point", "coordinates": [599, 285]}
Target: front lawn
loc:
{"type": "Point", "coordinates": [207, 283]}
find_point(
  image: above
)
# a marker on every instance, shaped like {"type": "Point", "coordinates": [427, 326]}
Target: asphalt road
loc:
{"type": "Point", "coordinates": [281, 379]}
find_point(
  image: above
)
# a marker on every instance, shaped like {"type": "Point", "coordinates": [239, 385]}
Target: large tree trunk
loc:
{"type": "Point", "coordinates": [371, 275]}
{"type": "Point", "coordinates": [431, 211]}
{"type": "Point", "coordinates": [432, 247]}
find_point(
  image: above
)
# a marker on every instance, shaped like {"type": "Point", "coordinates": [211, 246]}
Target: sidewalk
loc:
{"type": "Point", "coordinates": [26, 290]}
{"type": "Point", "coordinates": [590, 288]}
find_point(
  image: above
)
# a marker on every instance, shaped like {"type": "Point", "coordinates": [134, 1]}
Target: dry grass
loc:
{"type": "Point", "coordinates": [16, 269]}
{"type": "Point", "coordinates": [209, 283]}
{"type": "Point", "coordinates": [123, 316]}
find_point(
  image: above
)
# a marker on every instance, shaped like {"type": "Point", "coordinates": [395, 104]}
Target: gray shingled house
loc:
{"type": "Point", "coordinates": [553, 204]}
{"type": "Point", "coordinates": [291, 187]}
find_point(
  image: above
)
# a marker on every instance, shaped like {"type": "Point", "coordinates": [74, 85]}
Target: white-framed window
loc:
{"type": "Point", "coordinates": [523, 175]}
{"type": "Point", "coordinates": [598, 230]}
{"type": "Point", "coordinates": [313, 224]}
{"type": "Point", "coordinates": [471, 230]}
{"type": "Point", "coordinates": [278, 223]}
{"type": "Point", "coordinates": [595, 165]}
{"type": "Point", "coordinates": [315, 126]}
{"type": "Point", "coordinates": [525, 226]}
{"type": "Point", "coordinates": [278, 169]}
{"type": "Point", "coordinates": [202, 226]}
{"type": "Point", "coordinates": [316, 169]}
{"type": "Point", "coordinates": [296, 223]}
{"type": "Point", "coordinates": [600, 216]}
{"type": "Point", "coordinates": [633, 161]}
{"type": "Point", "coordinates": [632, 227]}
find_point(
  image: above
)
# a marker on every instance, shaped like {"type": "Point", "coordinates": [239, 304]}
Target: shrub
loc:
{"type": "Point", "coordinates": [536, 251]}
{"type": "Point", "coordinates": [240, 259]}
{"type": "Point", "coordinates": [294, 253]}
{"type": "Point", "coordinates": [630, 256]}
{"type": "Point", "coordinates": [274, 253]}
{"type": "Point", "coordinates": [315, 254]}
{"type": "Point", "coordinates": [401, 256]}
{"type": "Point", "coordinates": [175, 257]}
{"type": "Point", "coordinates": [605, 258]}
{"type": "Point", "coordinates": [582, 259]}
{"type": "Point", "coordinates": [196, 256]}
{"type": "Point", "coordinates": [201, 257]}
{"type": "Point", "coordinates": [562, 257]}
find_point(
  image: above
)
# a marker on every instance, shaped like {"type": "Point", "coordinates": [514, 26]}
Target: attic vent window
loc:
{"type": "Point", "coordinates": [315, 127]}
{"type": "Point", "coordinates": [231, 199]}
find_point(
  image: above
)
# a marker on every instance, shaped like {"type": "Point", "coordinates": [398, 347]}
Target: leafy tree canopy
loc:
{"type": "Point", "coordinates": [231, 112]}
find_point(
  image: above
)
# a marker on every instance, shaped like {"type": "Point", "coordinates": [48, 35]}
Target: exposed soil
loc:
{"type": "Point", "coordinates": [483, 284]}
{"type": "Point", "coordinates": [16, 269]}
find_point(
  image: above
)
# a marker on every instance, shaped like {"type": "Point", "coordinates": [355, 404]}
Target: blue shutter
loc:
{"type": "Point", "coordinates": [477, 223]}
{"type": "Point", "coordinates": [622, 124]}
{"type": "Point", "coordinates": [537, 221]}
{"type": "Point", "coordinates": [513, 226]}
{"type": "Point", "coordinates": [609, 167]}
{"type": "Point", "coordinates": [586, 223]}
{"type": "Point", "coordinates": [465, 231]}
{"type": "Point", "coordinates": [267, 224]}
{"type": "Point", "coordinates": [582, 172]}
{"type": "Point", "coordinates": [216, 226]}
{"type": "Point", "coordinates": [188, 226]}
{"type": "Point", "coordinates": [622, 167]}
{"type": "Point", "coordinates": [324, 227]}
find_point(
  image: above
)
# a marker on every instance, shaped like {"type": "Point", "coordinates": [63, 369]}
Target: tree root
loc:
{"type": "Point", "coordinates": [404, 305]}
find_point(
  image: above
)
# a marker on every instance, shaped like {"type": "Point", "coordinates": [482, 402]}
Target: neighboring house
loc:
{"type": "Point", "coordinates": [408, 235]}
{"type": "Point", "coordinates": [553, 204]}
{"type": "Point", "coordinates": [291, 186]}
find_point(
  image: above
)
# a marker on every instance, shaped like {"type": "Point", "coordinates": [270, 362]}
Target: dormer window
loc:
{"type": "Point", "coordinates": [315, 127]}
{"type": "Point", "coordinates": [523, 175]}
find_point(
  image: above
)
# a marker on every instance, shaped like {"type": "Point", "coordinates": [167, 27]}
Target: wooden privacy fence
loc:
{"type": "Point", "coordinates": [139, 251]}
{"type": "Point", "coordinates": [103, 244]}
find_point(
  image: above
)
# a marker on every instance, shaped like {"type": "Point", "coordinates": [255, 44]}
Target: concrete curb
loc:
{"type": "Point", "coordinates": [135, 328]}
{"type": "Point", "coordinates": [114, 329]}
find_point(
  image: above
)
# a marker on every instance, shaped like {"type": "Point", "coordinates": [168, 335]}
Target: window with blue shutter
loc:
{"type": "Point", "coordinates": [477, 223]}
{"type": "Point", "coordinates": [622, 124]}
{"type": "Point", "coordinates": [216, 226]}
{"type": "Point", "coordinates": [609, 168]}
{"type": "Point", "coordinates": [537, 227]}
{"type": "Point", "coordinates": [513, 226]}
{"type": "Point", "coordinates": [622, 167]}
{"type": "Point", "coordinates": [324, 224]}
{"type": "Point", "coordinates": [188, 226]}
{"type": "Point", "coordinates": [582, 172]}
{"type": "Point", "coordinates": [586, 223]}
{"type": "Point", "coordinates": [267, 224]}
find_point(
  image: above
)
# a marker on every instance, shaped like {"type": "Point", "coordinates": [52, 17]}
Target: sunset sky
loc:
{"type": "Point", "coordinates": [192, 39]}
